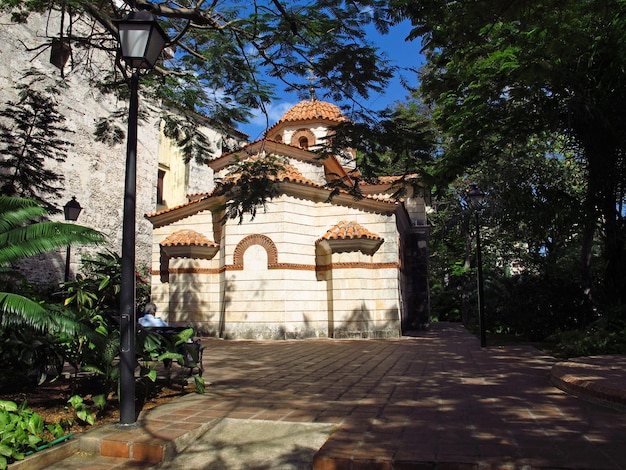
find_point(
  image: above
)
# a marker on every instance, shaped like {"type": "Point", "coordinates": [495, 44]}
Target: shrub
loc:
{"type": "Point", "coordinates": [604, 336]}
{"type": "Point", "coordinates": [536, 307]}
{"type": "Point", "coordinates": [21, 431]}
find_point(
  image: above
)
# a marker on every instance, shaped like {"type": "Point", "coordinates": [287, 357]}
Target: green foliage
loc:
{"type": "Point", "coordinates": [28, 357]}
{"type": "Point", "coordinates": [200, 383]}
{"type": "Point", "coordinates": [599, 338]}
{"type": "Point", "coordinates": [185, 131]}
{"type": "Point", "coordinates": [83, 412]}
{"type": "Point", "coordinates": [23, 234]}
{"type": "Point", "coordinates": [249, 185]}
{"type": "Point", "coordinates": [401, 141]}
{"type": "Point", "coordinates": [94, 297]}
{"type": "Point", "coordinates": [31, 135]}
{"type": "Point", "coordinates": [21, 431]}
{"type": "Point", "coordinates": [154, 346]}
{"type": "Point", "coordinates": [230, 54]}
{"type": "Point", "coordinates": [98, 285]}
{"type": "Point", "coordinates": [501, 77]}
{"type": "Point", "coordinates": [535, 307]}
{"type": "Point", "coordinates": [101, 361]}
{"type": "Point", "coordinates": [530, 234]}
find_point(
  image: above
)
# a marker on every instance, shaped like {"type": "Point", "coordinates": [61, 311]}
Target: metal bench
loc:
{"type": "Point", "coordinates": [192, 350]}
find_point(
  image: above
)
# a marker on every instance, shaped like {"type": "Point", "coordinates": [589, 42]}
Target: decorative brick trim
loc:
{"type": "Point", "coordinates": [192, 271]}
{"type": "Point", "coordinates": [285, 266]}
{"type": "Point", "coordinates": [356, 265]}
{"type": "Point", "coordinates": [292, 266]}
{"type": "Point", "coordinates": [310, 136]}
{"type": "Point", "coordinates": [257, 239]}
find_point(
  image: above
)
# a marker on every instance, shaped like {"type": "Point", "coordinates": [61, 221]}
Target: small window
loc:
{"type": "Point", "coordinates": [303, 142]}
{"type": "Point", "coordinates": [160, 179]}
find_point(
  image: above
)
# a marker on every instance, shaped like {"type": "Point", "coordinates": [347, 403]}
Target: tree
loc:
{"type": "Point", "coordinates": [529, 231]}
{"type": "Point", "coordinates": [31, 134]}
{"type": "Point", "coordinates": [227, 56]}
{"type": "Point", "coordinates": [24, 234]}
{"type": "Point", "coordinates": [503, 74]}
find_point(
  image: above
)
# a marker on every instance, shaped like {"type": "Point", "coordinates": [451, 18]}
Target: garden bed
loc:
{"type": "Point", "coordinates": [50, 400]}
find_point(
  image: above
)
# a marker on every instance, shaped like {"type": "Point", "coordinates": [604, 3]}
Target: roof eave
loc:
{"type": "Point", "coordinates": [190, 251]}
{"type": "Point", "coordinates": [322, 194]}
{"type": "Point", "coordinates": [368, 246]}
{"type": "Point", "coordinates": [175, 214]}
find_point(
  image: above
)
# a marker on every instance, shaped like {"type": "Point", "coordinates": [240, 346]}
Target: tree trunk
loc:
{"type": "Point", "coordinates": [586, 272]}
{"type": "Point", "coordinates": [602, 205]}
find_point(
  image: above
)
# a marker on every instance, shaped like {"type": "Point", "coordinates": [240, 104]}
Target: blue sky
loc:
{"type": "Point", "coordinates": [401, 53]}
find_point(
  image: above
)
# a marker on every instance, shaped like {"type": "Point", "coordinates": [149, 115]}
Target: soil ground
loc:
{"type": "Point", "coordinates": [50, 400]}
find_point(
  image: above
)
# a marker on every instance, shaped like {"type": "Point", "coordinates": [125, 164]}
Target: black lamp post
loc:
{"type": "Point", "coordinates": [71, 210]}
{"type": "Point", "coordinates": [475, 198]}
{"type": "Point", "coordinates": [142, 41]}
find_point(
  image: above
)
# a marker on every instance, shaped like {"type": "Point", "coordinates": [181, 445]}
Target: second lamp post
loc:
{"type": "Point", "coordinates": [475, 198]}
{"type": "Point", "coordinates": [71, 210]}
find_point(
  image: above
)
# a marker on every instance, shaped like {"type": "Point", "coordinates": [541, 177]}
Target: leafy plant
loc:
{"type": "Point", "coordinates": [30, 138]}
{"type": "Point", "coordinates": [155, 346]}
{"type": "Point", "coordinates": [83, 412]}
{"type": "Point", "coordinates": [98, 285]}
{"type": "Point", "coordinates": [24, 234]}
{"type": "Point", "coordinates": [498, 78]}
{"type": "Point", "coordinates": [249, 185]}
{"type": "Point", "coordinates": [603, 336]}
{"type": "Point", "coordinates": [21, 430]}
{"type": "Point", "coordinates": [30, 321]}
{"type": "Point", "coordinates": [94, 299]}
{"type": "Point", "coordinates": [103, 364]}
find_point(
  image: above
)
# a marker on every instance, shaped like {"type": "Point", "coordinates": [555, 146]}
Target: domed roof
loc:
{"type": "Point", "coordinates": [313, 109]}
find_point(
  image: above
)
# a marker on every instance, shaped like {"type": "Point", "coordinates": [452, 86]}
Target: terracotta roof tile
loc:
{"type": "Point", "coordinates": [309, 110]}
{"type": "Point", "coordinates": [170, 209]}
{"type": "Point", "coordinates": [187, 237]}
{"type": "Point", "coordinates": [345, 230]}
{"type": "Point", "coordinates": [390, 179]}
{"type": "Point", "coordinates": [313, 109]}
{"type": "Point", "coordinates": [287, 173]}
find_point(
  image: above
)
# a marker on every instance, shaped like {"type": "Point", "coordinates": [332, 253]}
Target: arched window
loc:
{"type": "Point", "coordinates": [303, 138]}
{"type": "Point", "coordinates": [265, 243]}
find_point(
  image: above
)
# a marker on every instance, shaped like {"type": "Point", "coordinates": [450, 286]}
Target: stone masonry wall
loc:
{"type": "Point", "coordinates": [94, 172]}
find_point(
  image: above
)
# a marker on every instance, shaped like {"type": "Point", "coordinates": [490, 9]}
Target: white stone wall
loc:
{"type": "Point", "coordinates": [310, 171]}
{"type": "Point", "coordinates": [184, 297]}
{"type": "Point", "coordinates": [292, 301]}
{"type": "Point", "coordinates": [320, 130]}
{"type": "Point", "coordinates": [94, 172]}
{"type": "Point", "coordinates": [182, 179]}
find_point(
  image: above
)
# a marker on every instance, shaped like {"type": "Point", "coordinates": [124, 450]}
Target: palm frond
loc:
{"type": "Point", "coordinates": [37, 238]}
{"type": "Point", "coordinates": [17, 310]}
{"type": "Point", "coordinates": [23, 233]}
{"type": "Point", "coordinates": [11, 217]}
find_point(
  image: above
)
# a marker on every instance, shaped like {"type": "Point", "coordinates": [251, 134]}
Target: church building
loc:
{"type": "Point", "coordinates": [306, 265]}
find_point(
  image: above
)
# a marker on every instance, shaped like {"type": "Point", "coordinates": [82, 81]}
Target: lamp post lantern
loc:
{"type": "Point", "coordinates": [71, 210]}
{"type": "Point", "coordinates": [142, 41]}
{"type": "Point", "coordinates": [475, 198]}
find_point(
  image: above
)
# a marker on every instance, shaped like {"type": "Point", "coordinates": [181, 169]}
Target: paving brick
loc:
{"type": "Point", "coordinates": [436, 401]}
{"type": "Point", "coordinates": [115, 449]}
{"type": "Point", "coordinates": [148, 452]}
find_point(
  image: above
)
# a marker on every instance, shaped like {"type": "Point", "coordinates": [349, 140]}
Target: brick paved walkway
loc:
{"type": "Point", "coordinates": [436, 400]}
